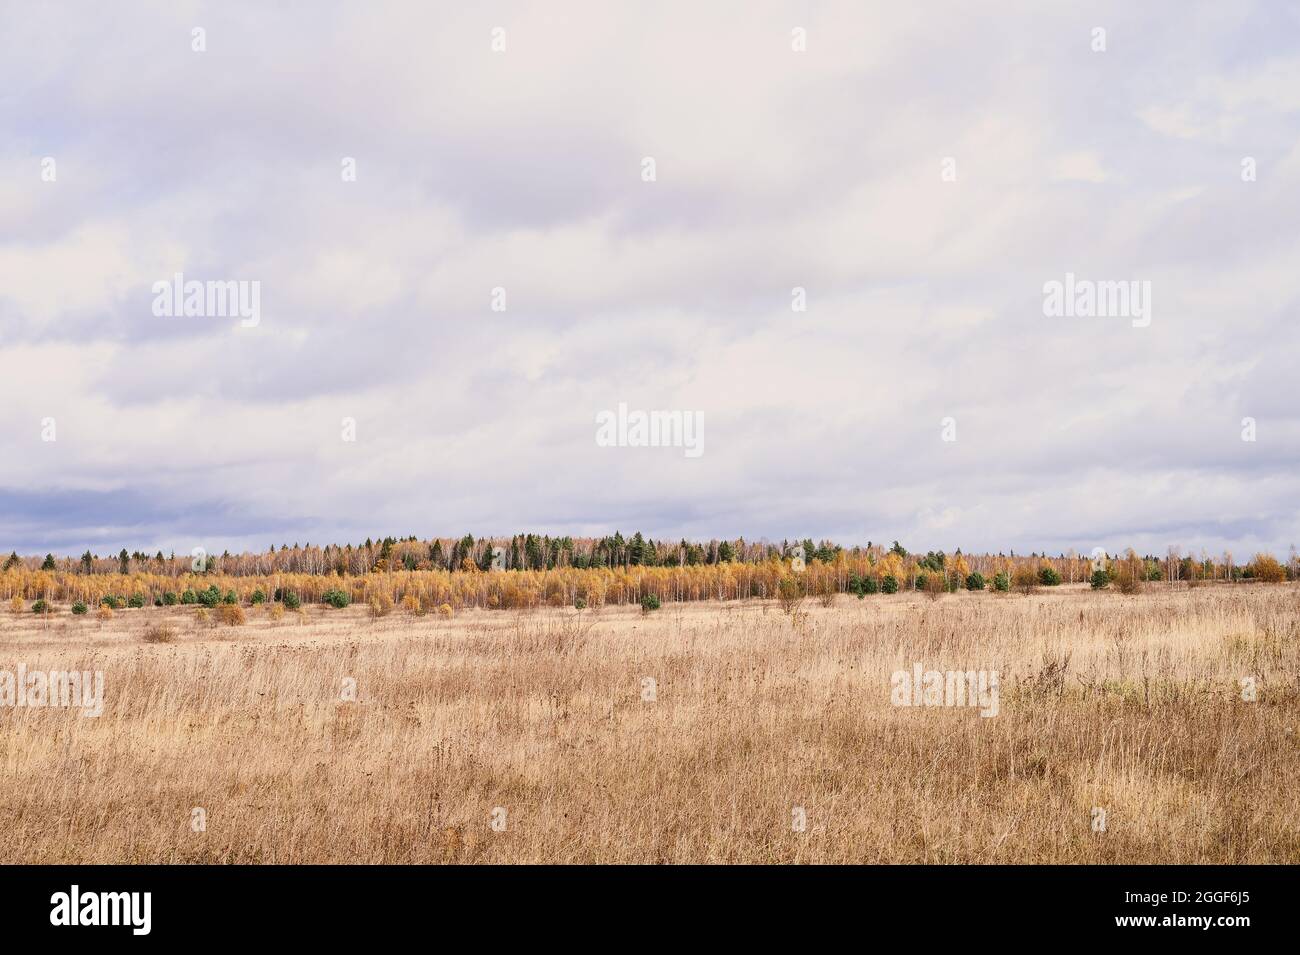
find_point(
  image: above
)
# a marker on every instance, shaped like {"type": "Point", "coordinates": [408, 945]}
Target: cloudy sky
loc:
{"type": "Point", "coordinates": [920, 169]}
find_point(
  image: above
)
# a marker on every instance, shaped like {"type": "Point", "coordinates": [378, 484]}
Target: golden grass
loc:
{"type": "Point", "coordinates": [1131, 704]}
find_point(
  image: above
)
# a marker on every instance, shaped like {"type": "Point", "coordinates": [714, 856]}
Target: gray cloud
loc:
{"type": "Point", "coordinates": [775, 170]}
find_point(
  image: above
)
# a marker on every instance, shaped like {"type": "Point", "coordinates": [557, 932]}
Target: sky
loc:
{"type": "Point", "coordinates": [441, 323]}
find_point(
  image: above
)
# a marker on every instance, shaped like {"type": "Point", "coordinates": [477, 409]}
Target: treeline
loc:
{"type": "Point", "coordinates": [493, 574]}
{"type": "Point", "coordinates": [542, 552]}
{"type": "Point", "coordinates": [520, 552]}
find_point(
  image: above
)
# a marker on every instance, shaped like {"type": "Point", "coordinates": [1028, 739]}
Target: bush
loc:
{"type": "Point", "coordinates": [276, 612]}
{"type": "Point", "coordinates": [201, 615]}
{"type": "Point", "coordinates": [889, 585]}
{"type": "Point", "coordinates": [1129, 575]}
{"type": "Point", "coordinates": [232, 615]}
{"type": "Point", "coordinates": [230, 599]}
{"type": "Point", "coordinates": [189, 597]}
{"type": "Point", "coordinates": [975, 581]}
{"type": "Point", "coordinates": [111, 602]}
{"type": "Point", "coordinates": [790, 593]}
{"type": "Point", "coordinates": [16, 605]}
{"type": "Point", "coordinates": [169, 598]}
{"type": "Point", "coordinates": [1025, 580]}
{"type": "Point", "coordinates": [579, 603]}
{"type": "Point", "coordinates": [1267, 570]}
{"type": "Point", "coordinates": [381, 604]}
{"type": "Point", "coordinates": [258, 597]}
{"type": "Point", "coordinates": [79, 608]}
{"type": "Point", "coordinates": [135, 600]}
{"type": "Point", "coordinates": [210, 597]}
{"type": "Point", "coordinates": [444, 610]}
{"type": "Point", "coordinates": [1100, 579]}
{"type": "Point", "coordinates": [105, 612]}
{"type": "Point", "coordinates": [1001, 582]}
{"type": "Point", "coordinates": [649, 602]}
{"type": "Point", "coordinates": [290, 600]}
{"type": "Point", "coordinates": [934, 586]}
{"type": "Point", "coordinates": [41, 607]}
{"type": "Point", "coordinates": [411, 604]}
{"type": "Point", "coordinates": [341, 598]}
{"type": "Point", "coordinates": [870, 586]}
{"type": "Point", "coordinates": [160, 634]}
{"type": "Point", "coordinates": [1048, 577]}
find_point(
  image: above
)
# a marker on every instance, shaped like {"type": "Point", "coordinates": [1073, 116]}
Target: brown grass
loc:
{"type": "Point", "coordinates": [1130, 704]}
{"type": "Point", "coordinates": [159, 633]}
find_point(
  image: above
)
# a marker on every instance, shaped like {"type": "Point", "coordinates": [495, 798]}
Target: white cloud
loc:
{"type": "Point", "coordinates": [776, 169]}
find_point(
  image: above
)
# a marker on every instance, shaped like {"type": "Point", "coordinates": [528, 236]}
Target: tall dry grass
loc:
{"type": "Point", "coordinates": [1130, 704]}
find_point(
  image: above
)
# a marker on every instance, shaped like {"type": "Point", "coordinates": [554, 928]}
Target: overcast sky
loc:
{"type": "Point", "coordinates": [775, 168]}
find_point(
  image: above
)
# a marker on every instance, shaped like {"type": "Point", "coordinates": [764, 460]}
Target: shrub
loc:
{"type": "Point", "coordinates": [189, 596]}
{"type": "Point", "coordinates": [231, 598]}
{"type": "Point", "coordinates": [290, 600]}
{"type": "Point", "coordinates": [258, 597]}
{"type": "Point", "coordinates": [790, 593]}
{"type": "Point", "coordinates": [1025, 580]}
{"type": "Point", "coordinates": [444, 610]}
{"type": "Point", "coordinates": [210, 597]}
{"type": "Point", "coordinates": [232, 615]}
{"type": "Point", "coordinates": [1048, 577]}
{"type": "Point", "coordinates": [1100, 579]}
{"type": "Point", "coordinates": [201, 615]}
{"type": "Point", "coordinates": [105, 612]}
{"type": "Point", "coordinates": [169, 598]}
{"type": "Point", "coordinates": [870, 585]}
{"type": "Point", "coordinates": [1001, 582]}
{"type": "Point", "coordinates": [276, 612]}
{"type": "Point", "coordinates": [381, 605]}
{"type": "Point", "coordinates": [160, 634]}
{"type": "Point", "coordinates": [1267, 569]}
{"type": "Point", "coordinates": [79, 608]}
{"type": "Point", "coordinates": [921, 581]}
{"type": "Point", "coordinates": [135, 600]}
{"type": "Point", "coordinates": [934, 586]}
{"type": "Point", "coordinates": [889, 584]}
{"type": "Point", "coordinates": [579, 603]}
{"type": "Point", "coordinates": [649, 602]}
{"type": "Point", "coordinates": [1129, 575]}
{"type": "Point", "coordinates": [411, 604]}
{"type": "Point", "coordinates": [111, 602]}
{"type": "Point", "coordinates": [16, 605]}
{"type": "Point", "coordinates": [975, 581]}
{"type": "Point", "coordinates": [41, 607]}
{"type": "Point", "coordinates": [341, 598]}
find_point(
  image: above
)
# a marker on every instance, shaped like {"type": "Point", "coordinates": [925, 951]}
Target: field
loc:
{"type": "Point", "coordinates": [703, 732]}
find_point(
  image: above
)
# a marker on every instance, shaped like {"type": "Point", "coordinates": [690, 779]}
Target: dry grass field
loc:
{"type": "Point", "coordinates": [1131, 705]}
